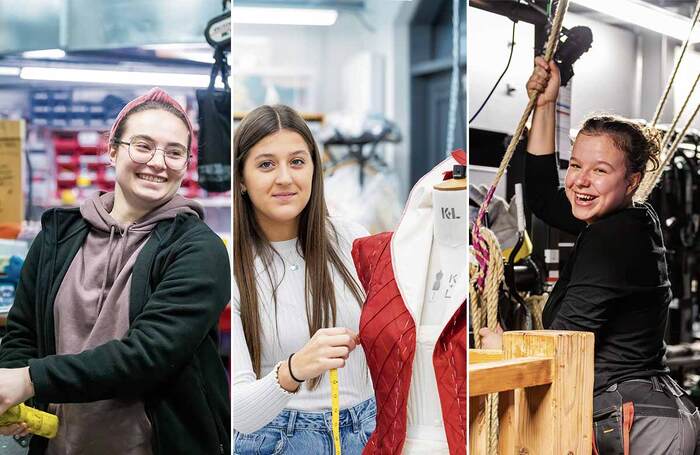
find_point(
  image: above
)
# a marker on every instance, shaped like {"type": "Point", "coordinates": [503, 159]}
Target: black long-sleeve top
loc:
{"type": "Point", "coordinates": [615, 283]}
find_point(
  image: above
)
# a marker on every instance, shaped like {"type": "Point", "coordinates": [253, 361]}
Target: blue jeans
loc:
{"type": "Point", "coordinates": [304, 433]}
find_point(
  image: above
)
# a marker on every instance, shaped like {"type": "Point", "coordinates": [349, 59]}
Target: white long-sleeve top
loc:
{"type": "Point", "coordinates": [257, 401]}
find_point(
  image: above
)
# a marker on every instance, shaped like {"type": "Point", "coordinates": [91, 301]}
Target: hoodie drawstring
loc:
{"type": "Point", "coordinates": [100, 299]}
{"type": "Point", "coordinates": [125, 234]}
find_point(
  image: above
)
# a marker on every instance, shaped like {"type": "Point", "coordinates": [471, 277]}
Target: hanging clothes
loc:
{"type": "Point", "coordinates": [374, 204]}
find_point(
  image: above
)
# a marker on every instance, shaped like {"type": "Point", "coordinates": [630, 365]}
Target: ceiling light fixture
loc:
{"type": "Point", "coordinates": [645, 15]}
{"type": "Point", "coordinates": [45, 53]}
{"type": "Point", "coordinates": [9, 71]}
{"type": "Point", "coordinates": [114, 77]}
{"type": "Point", "coordinates": [283, 16]}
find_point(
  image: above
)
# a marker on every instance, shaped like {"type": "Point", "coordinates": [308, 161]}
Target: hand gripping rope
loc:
{"type": "Point", "coordinates": [487, 273]}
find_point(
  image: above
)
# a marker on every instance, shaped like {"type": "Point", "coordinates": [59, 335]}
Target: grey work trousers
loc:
{"type": "Point", "coordinates": [665, 420]}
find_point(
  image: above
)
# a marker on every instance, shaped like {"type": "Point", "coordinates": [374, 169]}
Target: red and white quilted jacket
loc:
{"type": "Point", "coordinates": [392, 268]}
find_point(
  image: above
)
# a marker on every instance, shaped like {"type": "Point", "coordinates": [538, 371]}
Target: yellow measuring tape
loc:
{"type": "Point", "coordinates": [335, 410]}
{"type": "Point", "coordinates": [38, 422]}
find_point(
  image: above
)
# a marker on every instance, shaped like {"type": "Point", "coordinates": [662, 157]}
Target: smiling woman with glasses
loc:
{"type": "Point", "coordinates": [113, 327]}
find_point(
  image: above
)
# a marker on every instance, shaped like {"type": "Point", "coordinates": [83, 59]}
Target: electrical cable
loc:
{"type": "Point", "coordinates": [510, 57]}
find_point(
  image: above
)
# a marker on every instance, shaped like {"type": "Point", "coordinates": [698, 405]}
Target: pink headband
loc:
{"type": "Point", "coordinates": [158, 95]}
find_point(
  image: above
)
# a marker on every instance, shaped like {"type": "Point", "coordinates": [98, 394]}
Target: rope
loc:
{"type": "Point", "coordinates": [484, 313]}
{"type": "Point", "coordinates": [552, 41]}
{"type": "Point", "coordinates": [680, 137]}
{"type": "Point", "coordinates": [488, 272]}
{"type": "Point", "coordinates": [492, 424]}
{"type": "Point", "coordinates": [652, 178]}
{"type": "Point", "coordinates": [673, 147]}
{"type": "Point", "coordinates": [671, 79]}
{"type": "Point", "coordinates": [484, 304]}
{"type": "Point", "coordinates": [536, 304]}
{"type": "Point", "coordinates": [672, 128]}
{"type": "Point", "coordinates": [487, 317]}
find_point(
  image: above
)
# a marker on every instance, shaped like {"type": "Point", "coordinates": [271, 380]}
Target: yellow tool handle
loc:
{"type": "Point", "coordinates": [335, 410]}
{"type": "Point", "coordinates": [39, 422]}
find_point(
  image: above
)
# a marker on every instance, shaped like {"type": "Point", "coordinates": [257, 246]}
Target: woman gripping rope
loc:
{"type": "Point", "coordinates": [615, 283]}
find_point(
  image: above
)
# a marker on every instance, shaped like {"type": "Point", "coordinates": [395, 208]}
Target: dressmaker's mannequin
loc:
{"type": "Point", "coordinates": [447, 270]}
{"type": "Point", "coordinates": [413, 323]}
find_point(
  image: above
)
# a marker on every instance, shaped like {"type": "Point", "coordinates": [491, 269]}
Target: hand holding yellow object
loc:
{"type": "Point", "coordinates": [38, 422]}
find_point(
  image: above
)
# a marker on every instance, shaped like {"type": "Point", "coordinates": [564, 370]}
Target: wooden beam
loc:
{"type": "Point", "coordinates": [506, 422]}
{"type": "Point", "coordinates": [485, 355]}
{"type": "Point", "coordinates": [502, 375]}
{"type": "Point", "coordinates": [478, 436]}
{"type": "Point", "coordinates": [555, 419]}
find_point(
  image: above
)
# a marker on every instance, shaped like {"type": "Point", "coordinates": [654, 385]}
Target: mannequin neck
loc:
{"type": "Point", "coordinates": [450, 217]}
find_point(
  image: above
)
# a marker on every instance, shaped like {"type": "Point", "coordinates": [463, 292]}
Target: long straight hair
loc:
{"type": "Point", "coordinates": [317, 239]}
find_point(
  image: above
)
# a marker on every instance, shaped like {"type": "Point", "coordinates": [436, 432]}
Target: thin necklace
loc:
{"type": "Point", "coordinates": [292, 265]}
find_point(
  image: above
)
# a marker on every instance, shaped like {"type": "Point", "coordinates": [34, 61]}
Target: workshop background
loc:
{"type": "Point", "coordinates": [379, 82]}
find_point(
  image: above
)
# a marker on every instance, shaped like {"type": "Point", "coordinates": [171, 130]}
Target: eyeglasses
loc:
{"type": "Point", "coordinates": [142, 149]}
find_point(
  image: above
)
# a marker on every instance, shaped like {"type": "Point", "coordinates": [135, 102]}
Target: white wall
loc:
{"type": "Point", "coordinates": [604, 76]}
{"type": "Point", "coordinates": [285, 51]}
{"type": "Point", "coordinates": [348, 38]}
{"type": "Point", "coordinates": [320, 52]}
{"type": "Point", "coordinates": [488, 47]}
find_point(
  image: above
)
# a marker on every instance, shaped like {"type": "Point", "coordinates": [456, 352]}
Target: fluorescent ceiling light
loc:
{"type": "Point", "coordinates": [202, 57]}
{"type": "Point", "coordinates": [645, 15]}
{"type": "Point", "coordinates": [114, 77]}
{"type": "Point", "coordinates": [45, 53]}
{"type": "Point", "coordinates": [283, 16]}
{"type": "Point", "coordinates": [9, 71]}
{"type": "Point", "coordinates": [177, 46]}
{"type": "Point", "coordinates": [196, 52]}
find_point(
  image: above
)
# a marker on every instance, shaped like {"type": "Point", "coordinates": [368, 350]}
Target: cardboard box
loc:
{"type": "Point", "coordinates": [11, 150]}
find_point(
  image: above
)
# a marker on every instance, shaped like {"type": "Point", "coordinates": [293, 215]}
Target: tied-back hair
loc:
{"type": "Point", "coordinates": [317, 238]}
{"type": "Point", "coordinates": [640, 144]}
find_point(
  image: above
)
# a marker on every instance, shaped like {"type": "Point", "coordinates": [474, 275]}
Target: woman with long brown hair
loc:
{"type": "Point", "coordinates": [296, 300]}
